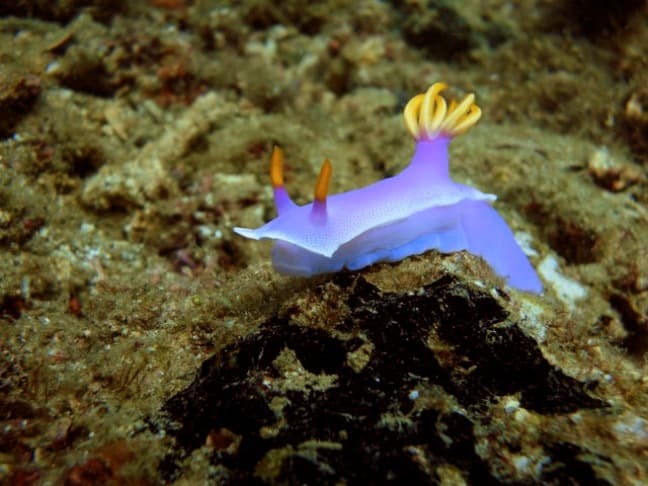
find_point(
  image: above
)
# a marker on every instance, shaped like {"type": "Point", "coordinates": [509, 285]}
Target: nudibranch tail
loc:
{"type": "Point", "coordinates": [318, 213]}
{"type": "Point", "coordinates": [281, 197]}
{"type": "Point", "coordinates": [428, 115]}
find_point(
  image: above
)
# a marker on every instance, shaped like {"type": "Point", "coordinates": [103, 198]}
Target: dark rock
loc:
{"type": "Point", "coordinates": [365, 427]}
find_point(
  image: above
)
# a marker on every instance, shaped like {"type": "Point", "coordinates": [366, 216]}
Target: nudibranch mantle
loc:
{"type": "Point", "coordinates": [419, 209]}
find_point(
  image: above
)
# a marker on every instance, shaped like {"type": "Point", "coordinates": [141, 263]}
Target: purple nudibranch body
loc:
{"type": "Point", "coordinates": [418, 210]}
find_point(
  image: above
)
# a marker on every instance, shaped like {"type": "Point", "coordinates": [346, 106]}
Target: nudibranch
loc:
{"type": "Point", "coordinates": [419, 209]}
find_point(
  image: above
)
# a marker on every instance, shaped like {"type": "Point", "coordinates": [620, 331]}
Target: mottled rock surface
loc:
{"type": "Point", "coordinates": [393, 392]}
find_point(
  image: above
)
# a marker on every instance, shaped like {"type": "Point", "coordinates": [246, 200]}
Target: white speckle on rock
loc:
{"type": "Point", "coordinates": [511, 405]}
{"type": "Point", "coordinates": [521, 463]}
{"type": "Point", "coordinates": [567, 290]}
{"type": "Point", "coordinates": [524, 240]}
{"type": "Point", "coordinates": [532, 321]}
{"type": "Point", "coordinates": [87, 228]}
{"type": "Point", "coordinates": [631, 428]}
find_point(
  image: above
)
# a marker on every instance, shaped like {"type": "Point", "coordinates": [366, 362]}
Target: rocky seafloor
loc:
{"type": "Point", "coordinates": [143, 342]}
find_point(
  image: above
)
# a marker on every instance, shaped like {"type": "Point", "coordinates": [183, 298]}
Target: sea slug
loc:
{"type": "Point", "coordinates": [418, 210]}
